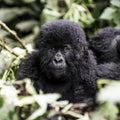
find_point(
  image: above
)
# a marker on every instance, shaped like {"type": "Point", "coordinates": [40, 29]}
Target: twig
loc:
{"type": "Point", "coordinates": [76, 115]}
{"type": "Point", "coordinates": [65, 109]}
{"type": "Point", "coordinates": [8, 48]}
{"type": "Point", "coordinates": [14, 34]}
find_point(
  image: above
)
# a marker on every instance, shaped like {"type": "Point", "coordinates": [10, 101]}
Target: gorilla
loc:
{"type": "Point", "coordinates": [108, 71]}
{"type": "Point", "coordinates": [106, 45]}
{"type": "Point", "coordinates": [63, 62]}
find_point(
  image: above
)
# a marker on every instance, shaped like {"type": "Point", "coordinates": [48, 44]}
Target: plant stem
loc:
{"type": "Point", "coordinates": [8, 48]}
{"type": "Point", "coordinates": [14, 34]}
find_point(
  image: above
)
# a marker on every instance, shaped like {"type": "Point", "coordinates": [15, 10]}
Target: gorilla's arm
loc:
{"type": "Point", "coordinates": [109, 71]}
{"type": "Point", "coordinates": [29, 67]}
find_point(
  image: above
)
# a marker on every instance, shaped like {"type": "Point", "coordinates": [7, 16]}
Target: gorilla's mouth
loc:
{"type": "Point", "coordinates": [59, 69]}
{"type": "Point", "coordinates": [58, 72]}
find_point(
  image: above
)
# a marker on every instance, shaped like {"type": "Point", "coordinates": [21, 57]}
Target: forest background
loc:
{"type": "Point", "coordinates": [20, 22]}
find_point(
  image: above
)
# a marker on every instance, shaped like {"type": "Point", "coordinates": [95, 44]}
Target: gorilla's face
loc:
{"type": "Point", "coordinates": [60, 44]}
{"type": "Point", "coordinates": [58, 57]}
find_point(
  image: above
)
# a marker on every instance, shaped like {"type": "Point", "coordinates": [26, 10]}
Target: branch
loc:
{"type": "Point", "coordinates": [8, 48]}
{"type": "Point", "coordinates": [14, 34]}
{"type": "Point", "coordinates": [76, 115]}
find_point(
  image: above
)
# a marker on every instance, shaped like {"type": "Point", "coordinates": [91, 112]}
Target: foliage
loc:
{"type": "Point", "coordinates": [27, 15]}
{"type": "Point", "coordinates": [112, 13]}
{"type": "Point", "coordinates": [106, 111]}
{"type": "Point", "coordinates": [12, 102]}
{"type": "Point", "coordinates": [107, 98]}
{"type": "Point", "coordinates": [18, 99]}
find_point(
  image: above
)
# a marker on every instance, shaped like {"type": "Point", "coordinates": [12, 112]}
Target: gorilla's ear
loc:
{"type": "Point", "coordinates": [118, 43]}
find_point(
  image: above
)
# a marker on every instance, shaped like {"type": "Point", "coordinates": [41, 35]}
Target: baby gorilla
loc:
{"type": "Point", "coordinates": [63, 63]}
{"type": "Point", "coordinates": [106, 45]}
{"type": "Point", "coordinates": [58, 63]}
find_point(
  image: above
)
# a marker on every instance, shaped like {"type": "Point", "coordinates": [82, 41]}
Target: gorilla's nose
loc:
{"type": "Point", "coordinates": [58, 58]}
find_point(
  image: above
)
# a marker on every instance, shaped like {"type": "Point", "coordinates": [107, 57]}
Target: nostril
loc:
{"type": "Point", "coordinates": [58, 60]}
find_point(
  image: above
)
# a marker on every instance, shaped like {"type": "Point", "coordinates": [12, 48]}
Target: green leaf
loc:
{"type": "Point", "coordinates": [11, 1]}
{"type": "Point", "coordinates": [110, 93]}
{"type": "Point", "coordinates": [5, 60]}
{"type": "Point", "coordinates": [80, 15]}
{"type": "Point", "coordinates": [108, 13]}
{"type": "Point", "coordinates": [29, 87]}
{"type": "Point", "coordinates": [25, 101]}
{"type": "Point", "coordinates": [26, 25]}
{"type": "Point", "coordinates": [49, 15]}
{"type": "Point", "coordinates": [1, 101]}
{"type": "Point", "coordinates": [18, 1]}
{"type": "Point", "coordinates": [37, 113]}
{"type": "Point", "coordinates": [115, 3]}
{"type": "Point", "coordinates": [106, 110]}
{"type": "Point", "coordinates": [12, 115]}
{"type": "Point", "coordinates": [43, 101]}
{"type": "Point", "coordinates": [7, 14]}
{"type": "Point", "coordinates": [52, 5]}
{"type": "Point", "coordinates": [116, 17]}
{"type": "Point", "coordinates": [9, 93]}
{"type": "Point", "coordinates": [28, 1]}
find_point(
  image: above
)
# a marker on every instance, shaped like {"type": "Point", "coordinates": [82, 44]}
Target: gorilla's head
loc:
{"type": "Point", "coordinates": [106, 45]}
{"type": "Point", "coordinates": [61, 43]}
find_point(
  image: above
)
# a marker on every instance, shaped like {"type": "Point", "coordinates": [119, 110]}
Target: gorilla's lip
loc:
{"type": "Point", "coordinates": [59, 69]}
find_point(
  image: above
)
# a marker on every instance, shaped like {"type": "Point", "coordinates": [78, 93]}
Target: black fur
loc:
{"type": "Point", "coordinates": [106, 45]}
{"type": "Point", "coordinates": [79, 82]}
{"type": "Point", "coordinates": [109, 71]}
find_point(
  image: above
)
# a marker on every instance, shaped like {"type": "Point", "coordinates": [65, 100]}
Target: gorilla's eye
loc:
{"type": "Point", "coordinates": [67, 47]}
{"type": "Point", "coordinates": [52, 49]}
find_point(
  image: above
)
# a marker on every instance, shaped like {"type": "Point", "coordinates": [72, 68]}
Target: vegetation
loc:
{"type": "Point", "coordinates": [18, 99]}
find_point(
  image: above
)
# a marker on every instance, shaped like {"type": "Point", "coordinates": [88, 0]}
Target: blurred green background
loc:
{"type": "Point", "coordinates": [26, 16]}
{"type": "Point", "coordinates": [19, 100]}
